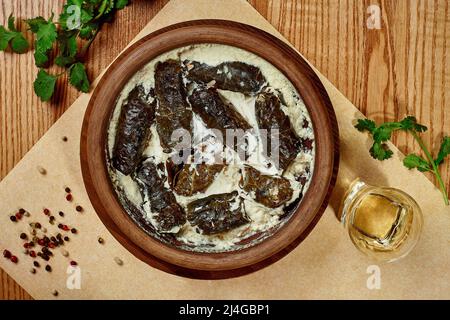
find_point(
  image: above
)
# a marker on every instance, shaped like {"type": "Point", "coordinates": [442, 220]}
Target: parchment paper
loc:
{"type": "Point", "coordinates": [325, 265]}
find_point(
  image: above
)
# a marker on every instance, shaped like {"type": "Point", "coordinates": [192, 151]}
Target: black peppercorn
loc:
{"type": "Point", "coordinates": [13, 218]}
{"type": "Point", "coordinates": [48, 268]}
{"type": "Point", "coordinates": [36, 264]}
{"type": "Point", "coordinates": [61, 214]}
{"type": "Point", "coordinates": [66, 238]}
{"type": "Point", "coordinates": [21, 210]}
{"type": "Point", "coordinates": [23, 236]}
{"type": "Point", "coordinates": [67, 189]}
{"type": "Point", "coordinates": [79, 208]}
{"type": "Point", "coordinates": [73, 230]}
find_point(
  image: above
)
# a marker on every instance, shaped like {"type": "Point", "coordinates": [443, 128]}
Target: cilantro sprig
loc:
{"type": "Point", "coordinates": [380, 150]}
{"type": "Point", "coordinates": [72, 34]}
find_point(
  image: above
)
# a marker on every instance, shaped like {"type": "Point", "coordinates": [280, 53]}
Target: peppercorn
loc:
{"type": "Point", "coordinates": [22, 211]}
{"type": "Point", "coordinates": [33, 254]}
{"type": "Point", "coordinates": [60, 225]}
{"type": "Point", "coordinates": [13, 218]}
{"type": "Point", "coordinates": [73, 230]}
{"type": "Point", "coordinates": [61, 214]}
{"type": "Point", "coordinates": [67, 189]}
{"type": "Point", "coordinates": [65, 228]}
{"type": "Point", "coordinates": [45, 257]}
{"type": "Point", "coordinates": [46, 211]}
{"type": "Point", "coordinates": [25, 245]}
{"type": "Point", "coordinates": [64, 139]}
{"type": "Point", "coordinates": [66, 238]}
{"type": "Point", "coordinates": [52, 218]}
{"type": "Point", "coordinates": [55, 293]}
{"type": "Point", "coordinates": [79, 208]}
{"type": "Point", "coordinates": [100, 240]}
{"type": "Point", "coordinates": [33, 270]}
{"type": "Point", "coordinates": [69, 197]}
{"type": "Point", "coordinates": [41, 170]}
{"type": "Point", "coordinates": [18, 216]}
{"type": "Point", "coordinates": [7, 254]}
{"type": "Point", "coordinates": [53, 239]}
{"type": "Point", "coordinates": [30, 244]}
{"type": "Point", "coordinates": [48, 268]}
{"type": "Point", "coordinates": [37, 225]}
{"type": "Point", "coordinates": [73, 263]}
{"type": "Point", "coordinates": [41, 242]}
{"type": "Point", "coordinates": [23, 236]}
{"type": "Point", "coordinates": [51, 245]}
{"type": "Point", "coordinates": [36, 264]}
{"type": "Point", "coordinates": [14, 259]}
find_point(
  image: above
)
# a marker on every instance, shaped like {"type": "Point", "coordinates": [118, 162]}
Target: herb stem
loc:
{"type": "Point", "coordinates": [433, 164]}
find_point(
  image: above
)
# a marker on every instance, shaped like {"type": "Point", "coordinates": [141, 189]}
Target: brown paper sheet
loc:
{"type": "Point", "coordinates": [325, 265]}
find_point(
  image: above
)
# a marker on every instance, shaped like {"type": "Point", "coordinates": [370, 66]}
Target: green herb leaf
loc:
{"type": "Point", "coordinates": [44, 85]}
{"type": "Point", "coordinates": [412, 161]}
{"type": "Point", "coordinates": [11, 23]}
{"type": "Point", "coordinates": [34, 23]}
{"type": "Point", "coordinates": [120, 4]}
{"type": "Point", "coordinates": [444, 151]}
{"type": "Point", "coordinates": [365, 125]}
{"type": "Point", "coordinates": [78, 77]}
{"type": "Point", "coordinates": [46, 35]}
{"type": "Point", "coordinates": [410, 123]}
{"type": "Point", "coordinates": [19, 44]}
{"type": "Point", "coordinates": [5, 37]}
{"type": "Point", "coordinates": [380, 151]}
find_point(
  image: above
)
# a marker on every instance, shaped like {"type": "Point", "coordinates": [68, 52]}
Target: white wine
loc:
{"type": "Point", "coordinates": [383, 223]}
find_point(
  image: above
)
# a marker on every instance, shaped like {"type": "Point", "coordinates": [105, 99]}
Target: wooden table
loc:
{"type": "Point", "coordinates": [402, 68]}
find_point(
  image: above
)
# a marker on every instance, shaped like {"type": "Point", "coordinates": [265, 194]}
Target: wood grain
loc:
{"type": "Point", "coordinates": [400, 69]}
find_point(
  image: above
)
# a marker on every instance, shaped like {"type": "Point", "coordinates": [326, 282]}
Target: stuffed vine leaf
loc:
{"type": "Point", "coordinates": [233, 76]}
{"type": "Point", "coordinates": [270, 116]}
{"type": "Point", "coordinates": [188, 179]}
{"type": "Point", "coordinates": [173, 110]}
{"type": "Point", "coordinates": [271, 191]}
{"type": "Point", "coordinates": [168, 213]}
{"type": "Point", "coordinates": [133, 130]}
{"type": "Point", "coordinates": [216, 112]}
{"type": "Point", "coordinates": [217, 213]}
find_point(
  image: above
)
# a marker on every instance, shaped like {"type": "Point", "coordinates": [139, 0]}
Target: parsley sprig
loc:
{"type": "Point", "coordinates": [73, 33]}
{"type": "Point", "coordinates": [380, 150]}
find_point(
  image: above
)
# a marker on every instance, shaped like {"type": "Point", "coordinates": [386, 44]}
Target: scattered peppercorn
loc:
{"type": "Point", "coordinates": [55, 293]}
{"type": "Point", "coordinates": [14, 259]}
{"type": "Point", "coordinates": [37, 225]}
{"type": "Point", "coordinates": [46, 211]}
{"type": "Point", "coordinates": [65, 227]}
{"type": "Point", "coordinates": [41, 170]}
{"type": "Point", "coordinates": [73, 230]}
{"type": "Point", "coordinates": [7, 254]}
{"type": "Point", "coordinates": [66, 238]}
{"type": "Point", "coordinates": [23, 236]}
{"type": "Point", "coordinates": [69, 197]}
{"type": "Point", "coordinates": [61, 214]}
{"type": "Point", "coordinates": [79, 208]}
{"type": "Point", "coordinates": [36, 264]}
{"type": "Point", "coordinates": [18, 216]}
{"type": "Point", "coordinates": [67, 189]}
{"type": "Point", "coordinates": [100, 240]}
{"type": "Point", "coordinates": [118, 261]}
{"type": "Point", "coordinates": [33, 270]}
{"type": "Point", "coordinates": [73, 263]}
{"type": "Point", "coordinates": [48, 268]}
{"type": "Point", "coordinates": [52, 218]}
{"type": "Point", "coordinates": [64, 139]}
{"type": "Point", "coordinates": [22, 211]}
{"type": "Point", "coordinates": [33, 254]}
{"type": "Point", "coordinates": [25, 245]}
{"type": "Point", "coordinates": [13, 218]}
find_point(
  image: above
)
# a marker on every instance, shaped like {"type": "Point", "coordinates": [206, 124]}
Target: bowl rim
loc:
{"type": "Point", "coordinates": [104, 198]}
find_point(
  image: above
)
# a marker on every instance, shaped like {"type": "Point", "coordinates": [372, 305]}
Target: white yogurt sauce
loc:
{"type": "Point", "coordinates": [262, 218]}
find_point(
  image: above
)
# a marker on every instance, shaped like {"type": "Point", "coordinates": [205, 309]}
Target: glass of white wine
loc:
{"type": "Point", "coordinates": [383, 223]}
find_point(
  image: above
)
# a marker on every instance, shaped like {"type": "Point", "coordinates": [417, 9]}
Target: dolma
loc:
{"type": "Point", "coordinates": [187, 180]}
{"type": "Point", "coordinates": [270, 116]}
{"type": "Point", "coordinates": [216, 112]}
{"type": "Point", "coordinates": [233, 76]}
{"type": "Point", "coordinates": [173, 110]}
{"type": "Point", "coordinates": [133, 131]}
{"type": "Point", "coordinates": [271, 191]}
{"type": "Point", "coordinates": [151, 179]}
{"type": "Point", "coordinates": [217, 213]}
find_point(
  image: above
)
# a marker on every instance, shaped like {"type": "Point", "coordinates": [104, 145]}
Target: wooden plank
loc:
{"type": "Point", "coordinates": [387, 73]}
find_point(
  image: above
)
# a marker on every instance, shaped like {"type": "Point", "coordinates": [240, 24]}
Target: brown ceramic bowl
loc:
{"type": "Point", "coordinates": [168, 257]}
